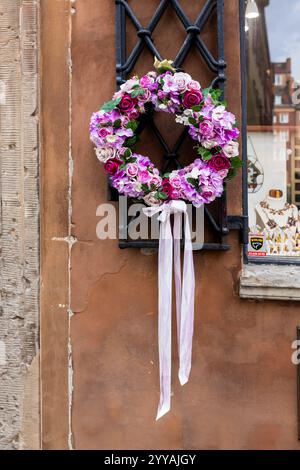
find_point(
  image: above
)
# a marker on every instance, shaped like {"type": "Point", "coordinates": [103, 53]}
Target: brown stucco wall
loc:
{"type": "Point", "coordinates": [242, 391]}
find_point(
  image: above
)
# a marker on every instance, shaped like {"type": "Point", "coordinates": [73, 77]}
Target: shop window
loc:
{"type": "Point", "coordinates": [278, 79]}
{"type": "Point", "coordinates": [271, 133]}
{"type": "Point", "coordinates": [284, 118]}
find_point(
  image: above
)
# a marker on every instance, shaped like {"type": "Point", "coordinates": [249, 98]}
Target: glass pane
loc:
{"type": "Point", "coordinates": [273, 68]}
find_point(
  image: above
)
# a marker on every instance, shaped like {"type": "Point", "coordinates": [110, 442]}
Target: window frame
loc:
{"type": "Point", "coordinates": [284, 118]}
{"type": "Point", "coordinates": [248, 260]}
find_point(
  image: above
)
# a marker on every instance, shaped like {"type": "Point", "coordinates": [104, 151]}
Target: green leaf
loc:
{"type": "Point", "coordinates": [205, 153]}
{"type": "Point", "coordinates": [224, 103]}
{"type": "Point", "coordinates": [117, 123]}
{"type": "Point", "coordinates": [236, 162]}
{"type": "Point", "coordinates": [133, 125]}
{"type": "Point", "coordinates": [134, 94]}
{"type": "Point", "coordinates": [166, 175]}
{"type": "Point", "coordinates": [231, 174]}
{"type": "Point", "coordinates": [192, 181]}
{"type": "Point", "coordinates": [193, 121]}
{"type": "Point", "coordinates": [197, 108]}
{"type": "Point", "coordinates": [206, 92]}
{"type": "Point", "coordinates": [161, 195]}
{"type": "Point", "coordinates": [137, 91]}
{"type": "Point", "coordinates": [131, 160]}
{"type": "Point", "coordinates": [131, 141]}
{"type": "Point", "coordinates": [216, 94]}
{"type": "Point", "coordinates": [110, 105]}
{"type": "Point", "coordinates": [123, 166]}
{"type": "Point", "coordinates": [127, 154]}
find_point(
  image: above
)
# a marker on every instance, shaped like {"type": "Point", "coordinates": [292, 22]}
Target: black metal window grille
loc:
{"type": "Point", "coordinates": [219, 221]}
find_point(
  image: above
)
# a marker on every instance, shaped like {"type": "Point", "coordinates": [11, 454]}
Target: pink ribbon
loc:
{"type": "Point", "coordinates": [185, 295]}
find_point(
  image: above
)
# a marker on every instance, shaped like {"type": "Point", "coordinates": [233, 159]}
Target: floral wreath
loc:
{"type": "Point", "coordinates": [114, 128]}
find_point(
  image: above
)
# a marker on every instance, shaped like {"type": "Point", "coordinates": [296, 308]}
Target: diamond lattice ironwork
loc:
{"type": "Point", "coordinates": [125, 64]}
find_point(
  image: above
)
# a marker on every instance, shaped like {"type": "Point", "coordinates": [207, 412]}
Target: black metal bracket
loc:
{"type": "Point", "coordinates": [218, 220]}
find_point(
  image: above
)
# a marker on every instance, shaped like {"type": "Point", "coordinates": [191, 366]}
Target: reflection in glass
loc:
{"type": "Point", "coordinates": [273, 64]}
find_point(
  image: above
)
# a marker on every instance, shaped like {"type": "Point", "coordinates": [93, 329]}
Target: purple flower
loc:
{"type": "Point", "coordinates": [192, 98]}
{"type": "Point", "coordinates": [206, 128]}
{"type": "Point", "coordinates": [232, 134]}
{"type": "Point", "coordinates": [162, 95]}
{"type": "Point", "coordinates": [123, 132]}
{"type": "Point", "coordinates": [144, 176]}
{"type": "Point", "coordinates": [146, 81]}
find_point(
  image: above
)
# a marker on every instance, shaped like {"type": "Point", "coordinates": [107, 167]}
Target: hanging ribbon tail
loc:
{"type": "Point", "coordinates": [165, 315]}
{"type": "Point", "coordinates": [187, 308]}
{"type": "Point", "coordinates": [184, 297]}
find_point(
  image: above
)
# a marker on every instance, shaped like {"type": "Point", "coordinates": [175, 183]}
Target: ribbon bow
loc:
{"type": "Point", "coordinates": [185, 294]}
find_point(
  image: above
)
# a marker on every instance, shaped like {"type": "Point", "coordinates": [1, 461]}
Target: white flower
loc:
{"type": "Point", "coordinates": [182, 79]}
{"type": "Point", "coordinates": [231, 149]}
{"type": "Point", "coordinates": [218, 113]}
{"type": "Point", "coordinates": [151, 200]}
{"type": "Point", "coordinates": [137, 186]}
{"type": "Point", "coordinates": [105, 153]}
{"type": "Point", "coordinates": [209, 144]}
{"type": "Point", "coordinates": [182, 120]}
{"type": "Point", "coordinates": [194, 173]}
{"type": "Point", "coordinates": [111, 138]}
{"type": "Point", "coordinates": [188, 112]}
{"type": "Point", "coordinates": [162, 106]}
{"type": "Point", "coordinates": [128, 86]}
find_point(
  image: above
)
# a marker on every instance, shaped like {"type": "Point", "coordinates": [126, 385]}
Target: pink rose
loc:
{"type": "Point", "coordinates": [144, 176]}
{"type": "Point", "coordinates": [132, 169]}
{"type": "Point", "coordinates": [145, 97]}
{"type": "Point", "coordinates": [206, 128]}
{"type": "Point", "coordinates": [156, 180]}
{"type": "Point", "coordinates": [162, 95]}
{"type": "Point", "coordinates": [127, 104]}
{"type": "Point", "coordinates": [133, 114]}
{"type": "Point", "coordinates": [175, 181]}
{"type": "Point", "coordinates": [218, 163]}
{"type": "Point", "coordinates": [176, 194]}
{"type": "Point", "coordinates": [103, 132]}
{"type": "Point", "coordinates": [151, 200]}
{"type": "Point", "coordinates": [223, 173]}
{"type": "Point", "coordinates": [192, 98]}
{"type": "Point", "coordinates": [112, 166]}
{"type": "Point", "coordinates": [193, 85]}
{"type": "Point", "coordinates": [208, 194]}
{"type": "Point", "coordinates": [146, 81]}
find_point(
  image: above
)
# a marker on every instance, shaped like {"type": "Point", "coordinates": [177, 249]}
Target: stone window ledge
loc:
{"type": "Point", "coordinates": [274, 282]}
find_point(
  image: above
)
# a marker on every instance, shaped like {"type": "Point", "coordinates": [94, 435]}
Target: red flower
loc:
{"type": "Point", "coordinates": [167, 187]}
{"type": "Point", "coordinates": [126, 104]}
{"type": "Point", "coordinates": [112, 166]}
{"type": "Point", "coordinates": [192, 98]}
{"type": "Point", "coordinates": [219, 162]}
